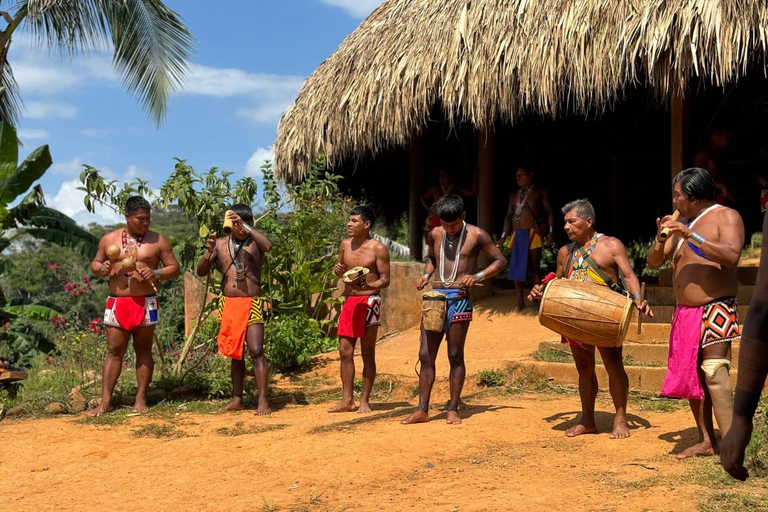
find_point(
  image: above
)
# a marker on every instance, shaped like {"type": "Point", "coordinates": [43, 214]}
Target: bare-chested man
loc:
{"type": "Point", "coordinates": [132, 308]}
{"type": "Point", "coordinates": [240, 257]}
{"type": "Point", "coordinates": [705, 249]}
{"type": "Point", "coordinates": [453, 251]}
{"type": "Point", "coordinates": [360, 314]}
{"type": "Point", "coordinates": [444, 187]}
{"type": "Point", "coordinates": [597, 258]}
{"type": "Point", "coordinates": [528, 208]}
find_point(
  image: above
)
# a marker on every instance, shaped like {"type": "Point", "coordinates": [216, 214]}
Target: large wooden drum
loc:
{"type": "Point", "coordinates": [586, 312]}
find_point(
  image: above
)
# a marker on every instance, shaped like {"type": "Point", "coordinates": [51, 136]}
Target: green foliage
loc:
{"type": "Point", "coordinates": [491, 378]}
{"type": "Point", "coordinates": [757, 241]}
{"type": "Point", "coordinates": [291, 340]}
{"type": "Point", "coordinates": [552, 355]}
{"type": "Point", "coordinates": [99, 191]}
{"type": "Point", "coordinates": [298, 274]}
{"type": "Point", "coordinates": [756, 455]}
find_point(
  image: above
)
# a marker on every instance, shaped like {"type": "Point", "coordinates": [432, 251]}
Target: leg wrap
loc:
{"type": "Point", "coordinates": [719, 386]}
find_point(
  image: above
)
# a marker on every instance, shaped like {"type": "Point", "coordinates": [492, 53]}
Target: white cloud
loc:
{"type": "Point", "coordinates": [136, 171]}
{"type": "Point", "coordinates": [69, 201]}
{"type": "Point", "coordinates": [47, 109]}
{"type": "Point", "coordinates": [355, 8]}
{"type": "Point", "coordinates": [253, 165]}
{"type": "Point", "coordinates": [95, 132]}
{"type": "Point", "coordinates": [71, 168]}
{"type": "Point", "coordinates": [272, 94]}
{"type": "Point", "coordinates": [32, 134]}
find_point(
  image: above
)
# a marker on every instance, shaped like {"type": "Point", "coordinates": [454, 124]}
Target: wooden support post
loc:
{"type": "Point", "coordinates": [486, 156]}
{"type": "Point", "coordinates": [677, 126]}
{"type": "Point", "coordinates": [415, 209]}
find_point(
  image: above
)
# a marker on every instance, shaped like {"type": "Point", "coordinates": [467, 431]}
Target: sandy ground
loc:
{"type": "Point", "coordinates": [509, 454]}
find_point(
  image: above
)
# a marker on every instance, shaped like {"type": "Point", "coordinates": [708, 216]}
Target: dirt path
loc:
{"type": "Point", "coordinates": [509, 454]}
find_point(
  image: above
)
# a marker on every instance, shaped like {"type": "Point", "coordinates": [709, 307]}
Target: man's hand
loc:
{"type": "Point", "coordinates": [675, 227]}
{"type": "Point", "coordinates": [210, 243]}
{"type": "Point", "coordinates": [537, 292]}
{"type": "Point", "coordinates": [145, 272]}
{"type": "Point", "coordinates": [339, 269]}
{"type": "Point", "coordinates": [500, 242]}
{"type": "Point", "coordinates": [468, 281]}
{"type": "Point", "coordinates": [733, 445]}
{"type": "Point", "coordinates": [421, 283]}
{"type": "Point", "coordinates": [550, 239]}
{"type": "Point", "coordinates": [644, 308]}
{"type": "Point", "coordinates": [106, 268]}
{"type": "Point", "coordinates": [237, 222]}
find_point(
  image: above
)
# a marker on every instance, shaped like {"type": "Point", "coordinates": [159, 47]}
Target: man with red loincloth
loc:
{"type": "Point", "coordinates": [132, 306]}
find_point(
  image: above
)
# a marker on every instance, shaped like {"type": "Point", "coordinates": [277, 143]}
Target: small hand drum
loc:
{"type": "Point", "coordinates": [355, 276]}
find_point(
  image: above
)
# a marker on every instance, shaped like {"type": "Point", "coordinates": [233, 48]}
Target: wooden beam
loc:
{"type": "Point", "coordinates": [677, 132]}
{"type": "Point", "coordinates": [486, 156]}
{"type": "Point", "coordinates": [415, 209]}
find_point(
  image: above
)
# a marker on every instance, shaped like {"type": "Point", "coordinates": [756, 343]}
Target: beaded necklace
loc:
{"type": "Point", "coordinates": [133, 255]}
{"type": "Point", "coordinates": [455, 270]}
{"type": "Point", "coordinates": [237, 254]}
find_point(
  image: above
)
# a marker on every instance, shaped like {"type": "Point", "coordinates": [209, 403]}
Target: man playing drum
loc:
{"type": "Point", "coordinates": [706, 317]}
{"type": "Point", "coordinates": [360, 314]}
{"type": "Point", "coordinates": [598, 258]}
{"type": "Point", "coordinates": [132, 308]}
{"type": "Point", "coordinates": [453, 251]}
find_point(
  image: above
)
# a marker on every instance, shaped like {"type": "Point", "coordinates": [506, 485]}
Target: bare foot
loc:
{"type": "Point", "coordinates": [140, 406]}
{"type": "Point", "coordinates": [101, 409]}
{"type": "Point", "coordinates": [620, 428]}
{"type": "Point", "coordinates": [698, 450]}
{"type": "Point", "coordinates": [580, 429]}
{"type": "Point", "coordinates": [263, 408]}
{"type": "Point", "coordinates": [417, 417]}
{"type": "Point", "coordinates": [453, 418]}
{"type": "Point", "coordinates": [236, 404]}
{"type": "Point", "coordinates": [343, 406]}
{"type": "Point", "coordinates": [364, 408]}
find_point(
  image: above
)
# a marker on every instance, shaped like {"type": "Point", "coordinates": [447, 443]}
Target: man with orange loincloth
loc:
{"type": "Point", "coordinates": [597, 258]}
{"type": "Point", "coordinates": [132, 307]}
{"type": "Point", "coordinates": [360, 314]}
{"type": "Point", "coordinates": [240, 257]}
{"type": "Point", "coordinates": [706, 318]}
{"type": "Point", "coordinates": [529, 213]}
{"type": "Point", "coordinates": [453, 251]}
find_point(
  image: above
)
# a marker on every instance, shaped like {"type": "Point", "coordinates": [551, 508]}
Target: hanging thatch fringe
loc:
{"type": "Point", "coordinates": [486, 60]}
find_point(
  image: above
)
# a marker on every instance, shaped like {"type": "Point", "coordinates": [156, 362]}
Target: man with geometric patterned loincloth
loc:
{"type": "Point", "coordinates": [360, 314]}
{"type": "Point", "coordinates": [240, 257]}
{"type": "Point", "coordinates": [705, 250]}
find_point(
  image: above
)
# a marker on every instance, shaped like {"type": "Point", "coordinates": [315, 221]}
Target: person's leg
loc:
{"type": "Point", "coordinates": [237, 373]}
{"type": "Point", "coordinates": [534, 258]}
{"type": "Point", "coordinates": [584, 356]}
{"type": "Point", "coordinates": [519, 288]}
{"type": "Point", "coordinates": [618, 385]}
{"type": "Point", "coordinates": [254, 339]}
{"type": "Point", "coordinates": [457, 336]}
{"type": "Point", "coordinates": [145, 365]}
{"type": "Point", "coordinates": [368, 350]}
{"type": "Point", "coordinates": [347, 360]}
{"type": "Point", "coordinates": [429, 345]}
{"type": "Point", "coordinates": [117, 344]}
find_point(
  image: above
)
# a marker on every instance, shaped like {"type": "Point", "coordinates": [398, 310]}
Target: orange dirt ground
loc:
{"type": "Point", "coordinates": [509, 454]}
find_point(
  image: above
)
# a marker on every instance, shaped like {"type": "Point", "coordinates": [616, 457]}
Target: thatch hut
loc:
{"type": "Point", "coordinates": [605, 98]}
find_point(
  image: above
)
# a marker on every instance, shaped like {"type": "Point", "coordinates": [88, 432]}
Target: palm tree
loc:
{"type": "Point", "coordinates": [152, 47]}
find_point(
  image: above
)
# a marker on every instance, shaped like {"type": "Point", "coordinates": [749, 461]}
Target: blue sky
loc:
{"type": "Point", "coordinates": [252, 59]}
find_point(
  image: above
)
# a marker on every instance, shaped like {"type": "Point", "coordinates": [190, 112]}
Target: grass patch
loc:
{"type": "Point", "coordinates": [734, 502]}
{"type": "Point", "coordinates": [382, 387]}
{"type": "Point", "coordinates": [312, 382]}
{"type": "Point", "coordinates": [239, 429]}
{"type": "Point", "coordinates": [631, 361]}
{"type": "Point", "coordinates": [553, 355]}
{"type": "Point", "coordinates": [491, 378]}
{"type": "Point", "coordinates": [521, 379]}
{"type": "Point", "coordinates": [159, 431]}
{"type": "Point", "coordinates": [756, 455]}
{"type": "Point", "coordinates": [114, 418]}
{"type": "Point", "coordinates": [169, 410]}
{"type": "Point", "coordinates": [655, 404]}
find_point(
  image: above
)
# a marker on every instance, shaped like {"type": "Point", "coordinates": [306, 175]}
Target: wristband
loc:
{"type": "Point", "coordinates": [156, 272]}
{"type": "Point", "coordinates": [480, 276]}
{"type": "Point", "coordinates": [657, 246]}
{"type": "Point", "coordinates": [247, 227]}
{"type": "Point", "coordinates": [551, 229]}
{"type": "Point", "coordinates": [637, 295]}
{"type": "Point", "coordinates": [696, 239]}
{"type": "Point", "coordinates": [503, 235]}
{"type": "Point", "coordinates": [426, 275]}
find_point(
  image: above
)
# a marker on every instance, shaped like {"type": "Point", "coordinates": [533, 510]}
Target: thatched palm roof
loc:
{"type": "Point", "coordinates": [486, 60]}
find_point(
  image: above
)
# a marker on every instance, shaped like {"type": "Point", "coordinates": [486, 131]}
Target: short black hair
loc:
{"type": "Point", "coordinates": [450, 207]}
{"type": "Point", "coordinates": [243, 211]}
{"type": "Point", "coordinates": [696, 183]}
{"type": "Point", "coordinates": [136, 203]}
{"type": "Point", "coordinates": [364, 212]}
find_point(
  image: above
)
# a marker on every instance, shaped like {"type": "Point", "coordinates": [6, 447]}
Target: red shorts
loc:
{"type": "Point", "coordinates": [357, 314]}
